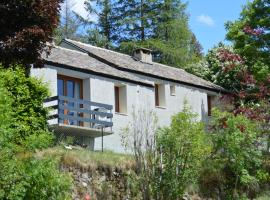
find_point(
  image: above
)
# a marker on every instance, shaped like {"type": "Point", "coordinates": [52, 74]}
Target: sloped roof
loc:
{"type": "Point", "coordinates": [128, 63]}
{"type": "Point", "coordinates": [72, 59]}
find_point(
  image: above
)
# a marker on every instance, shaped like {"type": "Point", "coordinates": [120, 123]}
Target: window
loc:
{"type": "Point", "coordinates": [70, 87]}
{"type": "Point", "coordinates": [156, 95]}
{"type": "Point", "coordinates": [160, 100]}
{"type": "Point", "coordinates": [209, 104]}
{"type": "Point", "coordinates": [116, 96]}
{"type": "Point", "coordinates": [172, 90]}
{"type": "Point", "coordinates": [120, 95]}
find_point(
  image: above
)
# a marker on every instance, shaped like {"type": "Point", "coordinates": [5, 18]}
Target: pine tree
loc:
{"type": "Point", "coordinates": [104, 31]}
{"type": "Point", "coordinates": [69, 25]}
{"type": "Point", "coordinates": [139, 18]}
{"type": "Point", "coordinates": [164, 29]}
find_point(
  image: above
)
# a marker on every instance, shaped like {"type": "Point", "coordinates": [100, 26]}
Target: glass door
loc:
{"type": "Point", "coordinates": [70, 87]}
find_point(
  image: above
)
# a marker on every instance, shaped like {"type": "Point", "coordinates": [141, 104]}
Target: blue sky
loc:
{"type": "Point", "coordinates": [207, 18]}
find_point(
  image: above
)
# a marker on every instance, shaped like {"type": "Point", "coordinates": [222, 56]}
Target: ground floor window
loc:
{"type": "Point", "coordinates": [120, 96]}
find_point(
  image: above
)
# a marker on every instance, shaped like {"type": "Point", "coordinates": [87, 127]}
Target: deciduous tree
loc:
{"type": "Point", "coordinates": [26, 26]}
{"type": "Point", "coordinates": [250, 34]}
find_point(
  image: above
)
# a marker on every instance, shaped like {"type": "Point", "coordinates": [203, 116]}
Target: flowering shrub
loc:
{"type": "Point", "coordinates": [235, 168]}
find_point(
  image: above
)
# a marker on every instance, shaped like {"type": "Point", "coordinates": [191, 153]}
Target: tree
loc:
{"type": "Point", "coordinates": [226, 67]}
{"type": "Point", "coordinates": [138, 19]}
{"type": "Point", "coordinates": [26, 26]}
{"type": "Point", "coordinates": [104, 32]}
{"type": "Point", "coordinates": [166, 32]}
{"type": "Point", "coordinates": [249, 93]}
{"type": "Point", "coordinates": [69, 24]}
{"type": "Point", "coordinates": [251, 33]}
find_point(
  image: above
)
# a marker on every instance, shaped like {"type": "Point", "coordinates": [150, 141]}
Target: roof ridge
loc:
{"type": "Point", "coordinates": [66, 49]}
{"type": "Point", "coordinates": [104, 49]}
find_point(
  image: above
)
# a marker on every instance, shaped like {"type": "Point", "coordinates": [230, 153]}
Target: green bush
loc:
{"type": "Point", "coordinates": [181, 147]}
{"type": "Point", "coordinates": [27, 94]}
{"type": "Point", "coordinates": [235, 168]}
{"type": "Point", "coordinates": [23, 130]}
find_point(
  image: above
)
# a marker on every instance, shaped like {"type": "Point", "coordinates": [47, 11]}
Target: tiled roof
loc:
{"type": "Point", "coordinates": [126, 63]}
{"type": "Point", "coordinates": [82, 61]}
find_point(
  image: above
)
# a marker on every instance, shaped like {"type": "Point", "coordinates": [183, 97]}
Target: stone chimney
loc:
{"type": "Point", "coordinates": [143, 54]}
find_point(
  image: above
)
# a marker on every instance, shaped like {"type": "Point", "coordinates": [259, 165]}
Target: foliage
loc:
{"type": "Point", "coordinates": [200, 69]}
{"type": "Point", "coordinates": [168, 34]}
{"type": "Point", "coordinates": [22, 131]}
{"type": "Point", "coordinates": [181, 148]}
{"type": "Point", "coordinates": [69, 24]}
{"type": "Point", "coordinates": [97, 39]}
{"type": "Point", "coordinates": [250, 33]}
{"type": "Point", "coordinates": [159, 25]}
{"type": "Point", "coordinates": [249, 92]}
{"type": "Point", "coordinates": [225, 67]}
{"type": "Point", "coordinates": [24, 177]}
{"type": "Point", "coordinates": [29, 119]}
{"type": "Point", "coordinates": [138, 19]}
{"type": "Point", "coordinates": [234, 169]}
{"type": "Point", "coordinates": [104, 32]}
{"type": "Point", "coordinates": [26, 26]}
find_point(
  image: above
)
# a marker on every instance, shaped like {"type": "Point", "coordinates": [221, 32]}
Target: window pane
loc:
{"type": "Point", "coordinates": [60, 91]}
{"type": "Point", "coordinates": [60, 87]}
{"type": "Point", "coordinates": [156, 95]}
{"type": "Point", "coordinates": [70, 93]}
{"type": "Point", "coordinates": [70, 89]}
{"type": "Point", "coordinates": [116, 95]}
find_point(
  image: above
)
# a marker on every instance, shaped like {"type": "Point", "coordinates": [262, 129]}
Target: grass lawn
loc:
{"type": "Point", "coordinates": [86, 159]}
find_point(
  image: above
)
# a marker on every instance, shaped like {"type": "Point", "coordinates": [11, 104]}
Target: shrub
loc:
{"type": "Point", "coordinates": [234, 169]}
{"type": "Point", "coordinates": [181, 147]}
{"type": "Point", "coordinates": [22, 131]}
{"type": "Point", "coordinates": [29, 118]}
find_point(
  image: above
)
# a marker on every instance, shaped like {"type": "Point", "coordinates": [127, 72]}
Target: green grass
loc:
{"type": "Point", "coordinates": [88, 159]}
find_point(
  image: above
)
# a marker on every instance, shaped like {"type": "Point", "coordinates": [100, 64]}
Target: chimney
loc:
{"type": "Point", "coordinates": [143, 54]}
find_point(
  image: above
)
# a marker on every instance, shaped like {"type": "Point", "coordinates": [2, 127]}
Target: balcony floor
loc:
{"type": "Point", "coordinates": [79, 130]}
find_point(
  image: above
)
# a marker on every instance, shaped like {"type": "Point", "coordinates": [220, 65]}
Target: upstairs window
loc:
{"type": "Point", "coordinates": [120, 95]}
{"type": "Point", "coordinates": [172, 90]}
{"type": "Point", "coordinates": [160, 98]}
{"type": "Point", "coordinates": [209, 104]}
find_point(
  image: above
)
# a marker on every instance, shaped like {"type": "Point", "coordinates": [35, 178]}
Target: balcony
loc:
{"type": "Point", "coordinates": [77, 117]}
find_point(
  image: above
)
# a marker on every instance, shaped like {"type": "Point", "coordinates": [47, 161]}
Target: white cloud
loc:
{"type": "Point", "coordinates": [76, 6]}
{"type": "Point", "coordinates": [79, 7]}
{"type": "Point", "coordinates": [205, 19]}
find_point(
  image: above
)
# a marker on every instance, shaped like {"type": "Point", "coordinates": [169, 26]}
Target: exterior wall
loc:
{"type": "Point", "coordinates": [48, 76]}
{"type": "Point", "coordinates": [101, 89]}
